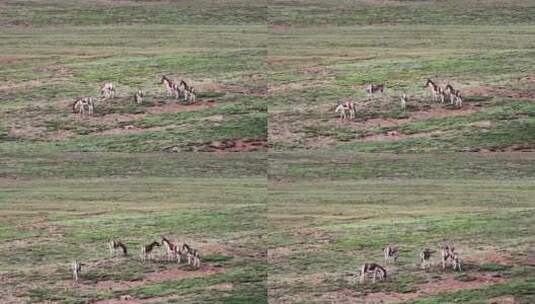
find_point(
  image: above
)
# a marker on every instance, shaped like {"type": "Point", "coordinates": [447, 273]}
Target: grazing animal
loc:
{"type": "Point", "coordinates": [169, 85]}
{"type": "Point", "coordinates": [390, 253]}
{"type": "Point", "coordinates": [346, 107]}
{"type": "Point", "coordinates": [375, 269]}
{"type": "Point", "coordinates": [146, 251]}
{"type": "Point", "coordinates": [435, 89]}
{"type": "Point", "coordinates": [425, 258]}
{"type": "Point", "coordinates": [113, 245]}
{"type": "Point", "coordinates": [76, 269]}
{"type": "Point", "coordinates": [83, 105]}
{"type": "Point", "coordinates": [403, 101]}
{"type": "Point", "coordinates": [374, 88]}
{"type": "Point", "coordinates": [194, 258]}
{"type": "Point", "coordinates": [171, 249]}
{"type": "Point", "coordinates": [107, 90]}
{"type": "Point", "coordinates": [138, 97]}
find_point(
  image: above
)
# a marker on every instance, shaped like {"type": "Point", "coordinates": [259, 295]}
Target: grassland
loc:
{"type": "Point", "coordinates": [330, 212]}
{"type": "Point", "coordinates": [53, 51]}
{"type": "Point", "coordinates": [57, 209]}
{"type": "Point", "coordinates": [326, 52]}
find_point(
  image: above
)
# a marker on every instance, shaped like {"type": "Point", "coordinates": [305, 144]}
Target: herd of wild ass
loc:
{"type": "Point", "coordinates": [348, 109]}
{"type": "Point", "coordinates": [448, 256]}
{"type": "Point", "coordinates": [173, 252]}
{"type": "Point", "coordinates": [85, 105]}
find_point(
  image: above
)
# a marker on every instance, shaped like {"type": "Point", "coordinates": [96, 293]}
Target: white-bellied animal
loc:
{"type": "Point", "coordinates": [456, 262]}
{"type": "Point", "coordinates": [375, 269]}
{"type": "Point", "coordinates": [374, 88]}
{"type": "Point", "coordinates": [446, 253]}
{"type": "Point", "coordinates": [138, 97]}
{"type": "Point", "coordinates": [169, 85]}
{"type": "Point", "coordinates": [184, 251]}
{"type": "Point", "coordinates": [107, 90]}
{"type": "Point", "coordinates": [171, 249]}
{"type": "Point", "coordinates": [184, 89]}
{"type": "Point", "coordinates": [425, 258]}
{"type": "Point", "coordinates": [458, 98]}
{"type": "Point", "coordinates": [391, 253]}
{"type": "Point", "coordinates": [403, 101]}
{"type": "Point", "coordinates": [192, 96]}
{"type": "Point", "coordinates": [147, 251]}
{"type": "Point", "coordinates": [449, 92]}
{"type": "Point", "coordinates": [76, 269]}
{"type": "Point", "coordinates": [345, 108]}
{"type": "Point", "coordinates": [435, 89]}
{"type": "Point", "coordinates": [83, 105]}
{"type": "Point", "coordinates": [177, 91]}
{"type": "Point", "coordinates": [455, 96]}
{"type": "Point", "coordinates": [113, 245]}
{"type": "Point", "coordinates": [194, 258]}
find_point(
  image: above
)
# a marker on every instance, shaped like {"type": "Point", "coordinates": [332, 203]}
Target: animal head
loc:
{"type": "Point", "coordinates": [164, 79]}
{"type": "Point", "coordinates": [429, 83]}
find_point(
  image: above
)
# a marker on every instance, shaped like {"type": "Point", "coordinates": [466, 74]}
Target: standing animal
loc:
{"type": "Point", "coordinates": [113, 245]}
{"type": "Point", "coordinates": [435, 89]}
{"type": "Point", "coordinates": [425, 258]}
{"type": "Point", "coordinates": [375, 269]}
{"type": "Point", "coordinates": [146, 251]}
{"type": "Point", "coordinates": [456, 262]}
{"type": "Point", "coordinates": [171, 249]}
{"type": "Point", "coordinates": [184, 89]}
{"type": "Point", "coordinates": [458, 98]}
{"type": "Point", "coordinates": [448, 254]}
{"type": "Point", "coordinates": [76, 269]}
{"type": "Point", "coordinates": [449, 92]}
{"type": "Point", "coordinates": [176, 90]}
{"type": "Point", "coordinates": [391, 252]}
{"type": "Point", "coordinates": [441, 95]}
{"type": "Point", "coordinates": [346, 107]}
{"type": "Point", "coordinates": [194, 258]}
{"type": "Point", "coordinates": [83, 105]}
{"type": "Point", "coordinates": [138, 97]}
{"type": "Point", "coordinates": [445, 254]}
{"type": "Point", "coordinates": [184, 251]}
{"type": "Point", "coordinates": [403, 101]}
{"type": "Point", "coordinates": [192, 96]}
{"type": "Point", "coordinates": [374, 88]}
{"type": "Point", "coordinates": [107, 90]}
{"type": "Point", "coordinates": [169, 85]}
